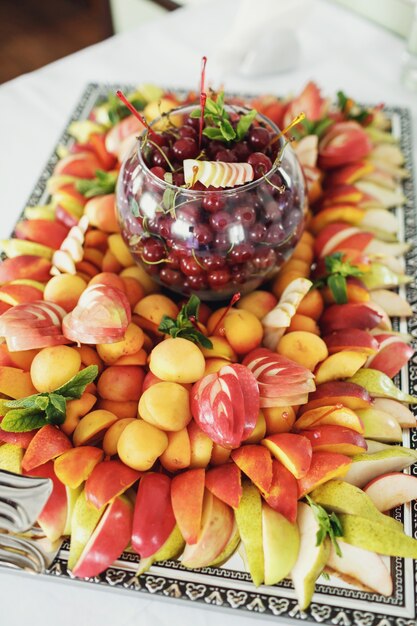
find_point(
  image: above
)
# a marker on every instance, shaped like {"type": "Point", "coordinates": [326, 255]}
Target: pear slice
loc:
{"type": "Point", "coordinates": [171, 549]}
{"type": "Point", "coordinates": [379, 385]}
{"type": "Point", "coordinates": [83, 523]}
{"type": "Point", "coordinates": [281, 541]}
{"type": "Point", "coordinates": [11, 457]}
{"type": "Point", "coordinates": [365, 467]}
{"type": "Point", "coordinates": [376, 446]}
{"type": "Point", "coordinates": [72, 497]}
{"type": "Point", "coordinates": [249, 522]}
{"type": "Point", "coordinates": [341, 497]}
{"type": "Point", "coordinates": [362, 566]}
{"type": "Point", "coordinates": [230, 548]}
{"type": "Point", "coordinates": [311, 557]}
{"type": "Point", "coordinates": [377, 537]}
{"type": "Point", "coordinates": [380, 425]}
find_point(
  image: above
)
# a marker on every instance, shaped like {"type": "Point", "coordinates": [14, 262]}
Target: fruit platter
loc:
{"type": "Point", "coordinates": [207, 318]}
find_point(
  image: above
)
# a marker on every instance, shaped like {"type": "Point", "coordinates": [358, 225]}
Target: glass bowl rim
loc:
{"type": "Point", "coordinates": [199, 193]}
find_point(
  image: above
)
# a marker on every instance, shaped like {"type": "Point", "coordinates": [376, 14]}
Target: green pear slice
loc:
{"type": "Point", "coordinates": [11, 458]}
{"type": "Point", "coordinates": [339, 496]}
{"type": "Point", "coordinates": [171, 549]}
{"type": "Point", "coordinates": [380, 385]}
{"type": "Point", "coordinates": [376, 446]}
{"type": "Point", "coordinates": [281, 543]}
{"type": "Point", "coordinates": [83, 523]}
{"type": "Point", "coordinates": [380, 425]}
{"type": "Point", "coordinates": [377, 537]}
{"type": "Point", "coordinates": [362, 566]}
{"type": "Point", "coordinates": [249, 522]}
{"type": "Point", "coordinates": [72, 497]}
{"type": "Point", "coordinates": [365, 467]}
{"type": "Point", "coordinates": [311, 557]}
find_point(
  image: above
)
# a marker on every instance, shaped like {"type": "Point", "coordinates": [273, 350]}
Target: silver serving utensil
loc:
{"type": "Point", "coordinates": [28, 554]}
{"type": "Point", "coordinates": [22, 499]}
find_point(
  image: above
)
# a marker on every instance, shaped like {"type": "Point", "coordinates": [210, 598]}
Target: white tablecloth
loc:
{"type": "Point", "coordinates": [339, 50]}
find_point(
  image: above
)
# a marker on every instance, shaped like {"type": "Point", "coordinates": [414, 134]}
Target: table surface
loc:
{"type": "Point", "coordinates": [338, 50]}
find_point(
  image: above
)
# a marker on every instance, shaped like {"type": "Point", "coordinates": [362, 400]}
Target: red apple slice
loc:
{"type": "Point", "coordinates": [187, 492]}
{"type": "Point", "coordinates": [48, 443]}
{"type": "Point", "coordinates": [255, 461]}
{"type": "Point", "coordinates": [108, 480]}
{"type": "Point", "coordinates": [53, 517]}
{"type": "Point", "coordinates": [225, 483]}
{"type": "Point", "coordinates": [294, 452]}
{"type": "Point", "coordinates": [153, 519]}
{"type": "Point", "coordinates": [391, 357]}
{"type": "Point", "coordinates": [350, 395]}
{"type": "Point", "coordinates": [351, 315]}
{"type": "Point", "coordinates": [351, 339]}
{"type": "Point", "coordinates": [108, 541]}
{"type": "Point", "coordinates": [391, 490]}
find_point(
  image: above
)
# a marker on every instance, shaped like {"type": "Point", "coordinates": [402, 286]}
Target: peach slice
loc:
{"type": "Point", "coordinates": [335, 439]}
{"type": "Point", "coordinates": [92, 426]}
{"type": "Point", "coordinates": [75, 466]}
{"type": "Point", "coordinates": [201, 446]}
{"type": "Point", "coordinates": [77, 409]}
{"type": "Point", "coordinates": [343, 364]}
{"type": "Point", "coordinates": [187, 493]}
{"type": "Point", "coordinates": [255, 461]}
{"type": "Point", "coordinates": [15, 383]}
{"type": "Point", "coordinates": [282, 495]}
{"type": "Point", "coordinates": [108, 480]}
{"type": "Point", "coordinates": [351, 339]}
{"type": "Point", "coordinates": [348, 394]}
{"type": "Point", "coordinates": [219, 454]}
{"type": "Point", "coordinates": [225, 483]}
{"type": "Point", "coordinates": [48, 443]}
{"type": "Point", "coordinates": [25, 266]}
{"type": "Point", "coordinates": [294, 452]}
{"type": "Point", "coordinates": [337, 415]}
{"type": "Point", "coordinates": [221, 349]}
{"type": "Point", "coordinates": [111, 438]}
{"type": "Point", "coordinates": [324, 466]}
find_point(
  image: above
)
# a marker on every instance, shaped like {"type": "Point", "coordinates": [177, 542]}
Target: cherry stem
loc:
{"type": "Point", "coordinates": [136, 113]}
{"type": "Point", "coordinates": [295, 121]}
{"type": "Point", "coordinates": [232, 302]}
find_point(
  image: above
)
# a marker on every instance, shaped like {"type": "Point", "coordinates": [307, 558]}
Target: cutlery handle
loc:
{"type": "Point", "coordinates": [22, 499]}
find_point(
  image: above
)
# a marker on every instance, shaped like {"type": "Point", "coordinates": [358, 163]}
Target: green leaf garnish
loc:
{"type": "Point", "coordinates": [45, 408]}
{"type": "Point", "coordinates": [337, 270]}
{"type": "Point", "coordinates": [103, 183]}
{"type": "Point", "coordinates": [244, 124]}
{"type": "Point", "coordinates": [22, 420]}
{"type": "Point", "coordinates": [329, 525]}
{"type": "Point", "coordinates": [186, 324]}
{"type": "Point", "coordinates": [134, 207]}
{"type": "Point", "coordinates": [352, 110]}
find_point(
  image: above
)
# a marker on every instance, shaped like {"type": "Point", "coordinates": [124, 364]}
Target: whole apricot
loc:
{"type": "Point", "coordinates": [131, 343]}
{"type": "Point", "coordinates": [177, 360]}
{"type": "Point", "coordinates": [140, 444]}
{"type": "Point", "coordinates": [166, 405]}
{"type": "Point", "coordinates": [243, 330]}
{"type": "Point", "coordinates": [54, 366]}
{"type": "Point", "coordinates": [65, 290]}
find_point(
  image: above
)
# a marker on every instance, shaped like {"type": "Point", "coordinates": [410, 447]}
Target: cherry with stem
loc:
{"type": "Point", "coordinates": [235, 298]}
{"type": "Point", "coordinates": [203, 98]}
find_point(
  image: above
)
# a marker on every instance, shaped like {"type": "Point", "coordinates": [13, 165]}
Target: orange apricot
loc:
{"type": "Point", "coordinates": [243, 330]}
{"type": "Point", "coordinates": [279, 419]}
{"type": "Point", "coordinates": [311, 305]}
{"type": "Point", "coordinates": [108, 278]}
{"type": "Point", "coordinates": [121, 383]}
{"type": "Point", "coordinates": [110, 263]}
{"type": "Point", "coordinates": [303, 322]}
{"type": "Point", "coordinates": [134, 290]}
{"type": "Point", "coordinates": [64, 290]}
{"type": "Point", "coordinates": [304, 348]}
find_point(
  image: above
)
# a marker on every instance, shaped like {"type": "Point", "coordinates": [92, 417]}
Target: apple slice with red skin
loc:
{"type": "Point", "coordinates": [108, 480]}
{"type": "Point", "coordinates": [187, 493]}
{"type": "Point", "coordinates": [225, 483]}
{"type": "Point", "coordinates": [335, 439]}
{"type": "Point", "coordinates": [153, 519]}
{"type": "Point", "coordinates": [48, 443]}
{"type": "Point", "coordinates": [109, 539]}
{"type": "Point", "coordinates": [75, 466]}
{"type": "Point", "coordinates": [391, 490]}
{"type": "Point", "coordinates": [45, 232]}
{"type": "Point", "coordinates": [53, 517]}
{"type": "Point", "coordinates": [217, 526]}
{"type": "Point", "coordinates": [256, 462]}
{"type": "Point", "coordinates": [293, 451]}
{"type": "Point", "coordinates": [350, 395]}
{"type": "Point", "coordinates": [391, 357]}
{"type": "Point", "coordinates": [324, 466]}
{"type": "Point", "coordinates": [19, 294]}
{"type": "Point", "coordinates": [282, 495]}
{"type": "Point", "coordinates": [351, 339]}
{"type": "Point", "coordinates": [18, 439]}
{"type": "Point", "coordinates": [345, 143]}
{"type": "Point", "coordinates": [25, 266]}
{"type": "Point", "coordinates": [350, 315]}
{"type": "Point", "coordinates": [336, 415]}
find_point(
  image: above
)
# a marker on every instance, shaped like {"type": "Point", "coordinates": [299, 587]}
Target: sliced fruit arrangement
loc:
{"type": "Point", "coordinates": [179, 431]}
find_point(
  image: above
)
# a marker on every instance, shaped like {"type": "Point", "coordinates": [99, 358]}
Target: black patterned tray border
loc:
{"type": "Point", "coordinates": [241, 594]}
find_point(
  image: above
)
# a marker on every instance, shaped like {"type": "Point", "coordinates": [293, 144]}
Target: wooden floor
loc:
{"type": "Point", "coordinates": [36, 32]}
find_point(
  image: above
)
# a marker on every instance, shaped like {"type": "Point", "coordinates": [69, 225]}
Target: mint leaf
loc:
{"type": "Point", "coordinates": [104, 183]}
{"type": "Point", "coordinates": [213, 108]}
{"type": "Point", "coordinates": [22, 420]}
{"type": "Point", "coordinates": [227, 130]}
{"type": "Point", "coordinates": [186, 324]}
{"type": "Point", "coordinates": [56, 409]}
{"type": "Point", "coordinates": [213, 133]}
{"type": "Point", "coordinates": [338, 287]}
{"type": "Point", "coordinates": [41, 402]}
{"type": "Point", "coordinates": [75, 387]}
{"type": "Point", "coordinates": [30, 402]}
{"type": "Point", "coordinates": [244, 124]}
{"type": "Point", "coordinates": [329, 525]}
{"type": "Point", "coordinates": [195, 114]}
